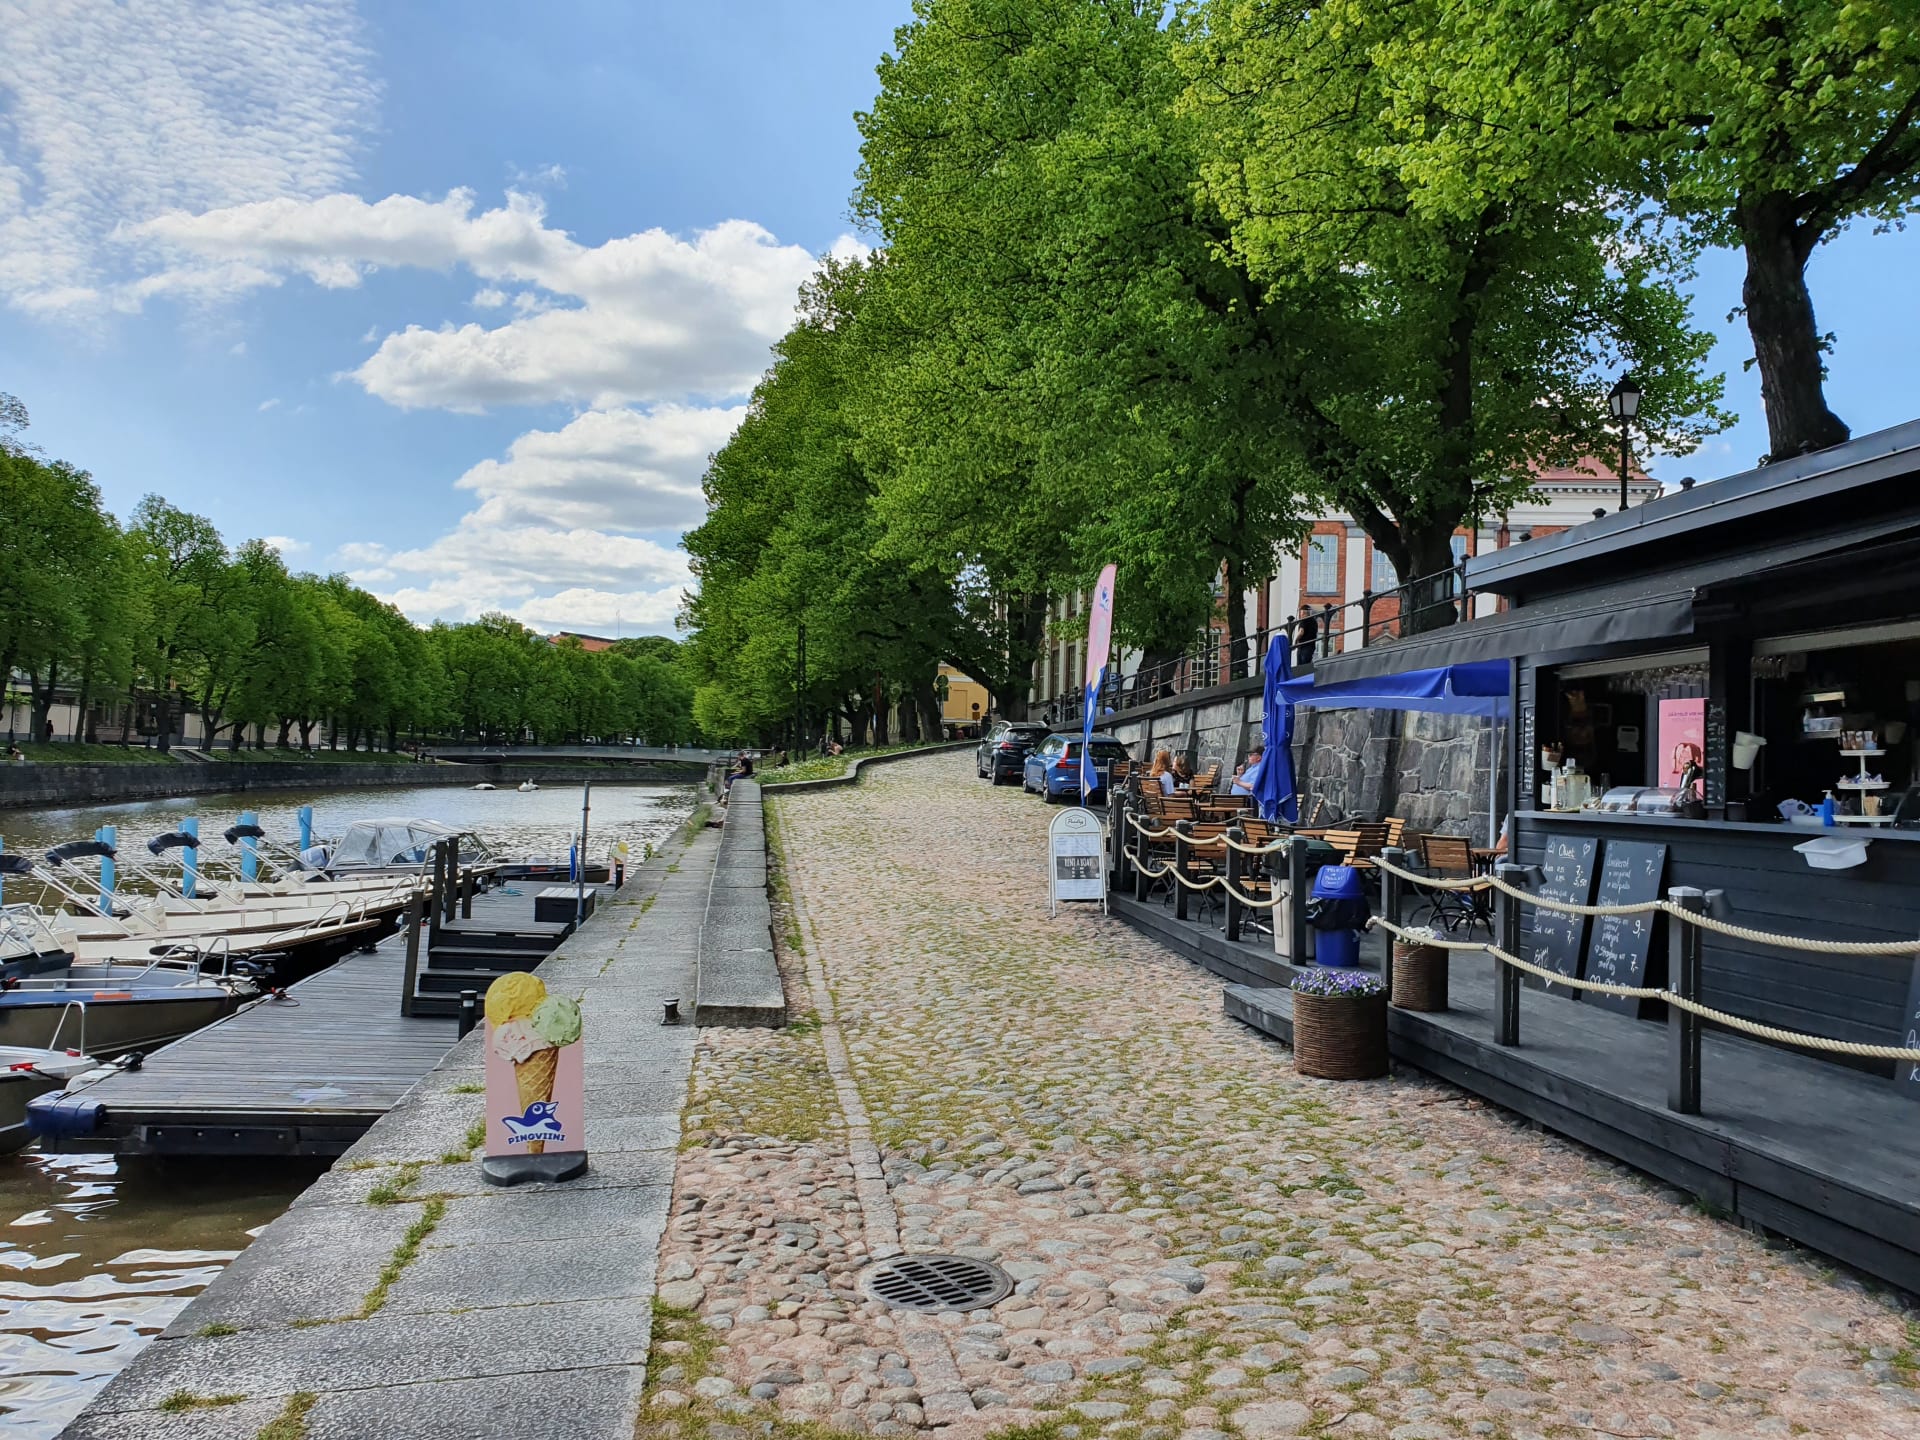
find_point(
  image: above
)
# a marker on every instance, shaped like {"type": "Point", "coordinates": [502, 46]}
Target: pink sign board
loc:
{"type": "Point", "coordinates": [1683, 737]}
{"type": "Point", "coordinates": [536, 1083]}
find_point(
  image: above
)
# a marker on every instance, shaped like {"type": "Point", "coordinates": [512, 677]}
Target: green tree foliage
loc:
{"type": "Point", "coordinates": [1747, 123]}
{"type": "Point", "coordinates": [164, 613]}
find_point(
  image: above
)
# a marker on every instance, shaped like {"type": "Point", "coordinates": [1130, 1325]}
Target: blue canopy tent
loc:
{"type": "Point", "coordinates": [1479, 687]}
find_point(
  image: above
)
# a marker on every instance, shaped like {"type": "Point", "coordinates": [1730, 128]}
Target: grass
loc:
{"type": "Point", "coordinates": [216, 1330]}
{"type": "Point", "coordinates": [403, 1256]}
{"type": "Point", "coordinates": [395, 1186]}
{"type": "Point", "coordinates": [291, 1422]}
{"type": "Point", "coordinates": [826, 767]}
{"type": "Point", "coordinates": [65, 753]}
{"type": "Point", "coordinates": [181, 1401]}
{"type": "Point", "coordinates": [468, 1087]}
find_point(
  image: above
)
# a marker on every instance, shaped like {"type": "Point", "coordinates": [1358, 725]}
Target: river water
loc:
{"type": "Point", "coordinates": [98, 1254]}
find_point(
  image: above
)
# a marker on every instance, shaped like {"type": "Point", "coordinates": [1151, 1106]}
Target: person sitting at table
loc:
{"type": "Point", "coordinates": [1161, 772]}
{"type": "Point", "coordinates": [1247, 774]}
{"type": "Point", "coordinates": [1182, 773]}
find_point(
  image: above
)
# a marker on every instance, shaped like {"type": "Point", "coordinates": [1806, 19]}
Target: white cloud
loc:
{"type": "Point", "coordinates": [266, 405]}
{"type": "Point", "coordinates": [552, 177]}
{"type": "Point", "coordinates": [642, 318]}
{"type": "Point", "coordinates": [113, 114]}
{"type": "Point", "coordinates": [625, 469]}
{"type": "Point", "coordinates": [238, 348]}
{"type": "Point", "coordinates": [286, 545]}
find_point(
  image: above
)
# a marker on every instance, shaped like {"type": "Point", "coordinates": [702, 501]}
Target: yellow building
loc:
{"type": "Point", "coordinates": [963, 701]}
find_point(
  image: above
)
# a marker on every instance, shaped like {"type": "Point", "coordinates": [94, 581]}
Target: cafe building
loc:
{"type": "Point", "coordinates": [1720, 689]}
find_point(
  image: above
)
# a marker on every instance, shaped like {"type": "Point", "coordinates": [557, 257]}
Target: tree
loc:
{"type": "Point", "coordinates": [187, 586]}
{"type": "Point", "coordinates": [1749, 123]}
{"type": "Point", "coordinates": [1448, 337]}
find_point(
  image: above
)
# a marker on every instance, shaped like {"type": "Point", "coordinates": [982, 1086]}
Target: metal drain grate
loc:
{"type": "Point", "coordinates": [937, 1282]}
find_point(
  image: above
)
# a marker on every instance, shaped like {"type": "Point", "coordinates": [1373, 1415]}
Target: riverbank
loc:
{"type": "Point", "coordinates": [402, 1296]}
{"type": "Point", "coordinates": [108, 784]}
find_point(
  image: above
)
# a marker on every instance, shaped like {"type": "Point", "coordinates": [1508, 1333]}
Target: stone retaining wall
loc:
{"type": "Point", "coordinates": [1433, 770]}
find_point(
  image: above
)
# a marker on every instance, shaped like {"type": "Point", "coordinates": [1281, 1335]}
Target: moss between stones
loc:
{"type": "Point", "coordinates": [181, 1401]}
{"type": "Point", "coordinates": [291, 1422]}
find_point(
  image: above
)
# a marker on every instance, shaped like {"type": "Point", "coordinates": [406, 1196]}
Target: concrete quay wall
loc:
{"type": "Point", "coordinates": [404, 1297]}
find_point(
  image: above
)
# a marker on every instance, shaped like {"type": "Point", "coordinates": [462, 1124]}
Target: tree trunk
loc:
{"type": "Point", "coordinates": [280, 740]}
{"type": "Point", "coordinates": [927, 700]}
{"type": "Point", "coordinates": [1236, 619]}
{"type": "Point", "coordinates": [83, 728]}
{"type": "Point", "coordinates": [879, 711]}
{"type": "Point", "coordinates": [1786, 338]}
{"type": "Point", "coordinates": [1026, 629]}
{"type": "Point", "coordinates": [41, 698]}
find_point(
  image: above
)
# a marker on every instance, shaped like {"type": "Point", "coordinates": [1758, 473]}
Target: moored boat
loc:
{"type": "Point", "coordinates": [26, 1072]}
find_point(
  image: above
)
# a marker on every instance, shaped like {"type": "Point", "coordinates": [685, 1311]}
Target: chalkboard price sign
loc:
{"type": "Point", "coordinates": [1907, 1073]}
{"type": "Point", "coordinates": [1630, 874]}
{"type": "Point", "coordinates": [1567, 869]}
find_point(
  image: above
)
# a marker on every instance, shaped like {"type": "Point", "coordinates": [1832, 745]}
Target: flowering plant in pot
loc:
{"type": "Point", "coordinates": [1340, 1025]}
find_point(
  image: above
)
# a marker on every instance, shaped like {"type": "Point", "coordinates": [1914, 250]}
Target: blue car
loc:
{"type": "Point", "coordinates": [1053, 767]}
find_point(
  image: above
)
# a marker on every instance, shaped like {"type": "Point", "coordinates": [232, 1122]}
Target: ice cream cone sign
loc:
{"type": "Point", "coordinates": [535, 1083]}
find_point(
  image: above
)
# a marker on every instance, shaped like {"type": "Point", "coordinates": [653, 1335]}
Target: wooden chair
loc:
{"type": "Point", "coordinates": [1450, 857]}
{"type": "Point", "coordinates": [1257, 871]}
{"type": "Point", "coordinates": [1396, 833]}
{"type": "Point", "coordinates": [1222, 807]}
{"type": "Point", "coordinates": [1205, 779]}
{"type": "Point", "coordinates": [1204, 864]}
{"type": "Point", "coordinates": [1357, 844]}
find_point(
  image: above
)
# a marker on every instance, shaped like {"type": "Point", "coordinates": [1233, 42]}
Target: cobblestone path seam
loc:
{"type": "Point", "coordinates": [946, 1398]}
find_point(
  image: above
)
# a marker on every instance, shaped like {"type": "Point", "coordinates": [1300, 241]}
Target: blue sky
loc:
{"type": "Point", "coordinates": [458, 297]}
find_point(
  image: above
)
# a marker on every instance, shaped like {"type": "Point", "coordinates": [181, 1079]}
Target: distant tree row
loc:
{"type": "Point", "coordinates": [162, 613]}
{"type": "Point", "coordinates": [1159, 284]}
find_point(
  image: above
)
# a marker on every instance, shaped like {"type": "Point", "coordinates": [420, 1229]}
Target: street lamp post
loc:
{"type": "Point", "coordinates": [1624, 401]}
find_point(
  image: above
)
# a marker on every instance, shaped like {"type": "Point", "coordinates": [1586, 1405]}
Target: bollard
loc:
{"type": "Point", "coordinates": [1181, 830]}
{"type": "Point", "coordinates": [467, 887]}
{"type": "Point", "coordinates": [1683, 1026]}
{"type": "Point", "coordinates": [1506, 979]}
{"type": "Point", "coordinates": [190, 858]}
{"type": "Point", "coordinates": [410, 977]}
{"type": "Point", "coordinates": [1238, 837]}
{"type": "Point", "coordinates": [1142, 882]}
{"type": "Point", "coordinates": [469, 1011]}
{"type": "Point", "coordinates": [249, 853]}
{"type": "Point", "coordinates": [452, 892]}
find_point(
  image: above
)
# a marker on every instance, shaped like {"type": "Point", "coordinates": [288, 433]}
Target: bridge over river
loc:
{"type": "Point", "coordinates": [532, 754]}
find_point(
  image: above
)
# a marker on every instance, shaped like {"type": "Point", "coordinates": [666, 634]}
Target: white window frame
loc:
{"type": "Point", "coordinates": [1329, 555]}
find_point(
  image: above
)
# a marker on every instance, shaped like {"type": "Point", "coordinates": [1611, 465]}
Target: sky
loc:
{"type": "Point", "coordinates": [458, 297]}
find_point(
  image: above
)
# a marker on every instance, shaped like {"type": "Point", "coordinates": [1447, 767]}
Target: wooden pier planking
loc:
{"type": "Point", "coordinates": [230, 1088]}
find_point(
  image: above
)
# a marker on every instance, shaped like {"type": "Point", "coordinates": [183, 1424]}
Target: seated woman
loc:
{"type": "Point", "coordinates": [1182, 773]}
{"type": "Point", "coordinates": [1161, 773]}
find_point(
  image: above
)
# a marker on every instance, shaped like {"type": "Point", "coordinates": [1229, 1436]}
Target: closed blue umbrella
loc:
{"type": "Point", "coordinates": [1273, 786]}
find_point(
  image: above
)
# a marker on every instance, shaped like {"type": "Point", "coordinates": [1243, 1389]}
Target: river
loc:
{"type": "Point", "coordinates": [97, 1254]}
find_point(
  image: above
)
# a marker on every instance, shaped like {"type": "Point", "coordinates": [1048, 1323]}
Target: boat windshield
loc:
{"type": "Point", "coordinates": [393, 842]}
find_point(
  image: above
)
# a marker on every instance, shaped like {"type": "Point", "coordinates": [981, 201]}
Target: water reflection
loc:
{"type": "Point", "coordinates": [97, 1255]}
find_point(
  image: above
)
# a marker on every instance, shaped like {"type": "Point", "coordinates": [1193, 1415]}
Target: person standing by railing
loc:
{"type": "Point", "coordinates": [1306, 633]}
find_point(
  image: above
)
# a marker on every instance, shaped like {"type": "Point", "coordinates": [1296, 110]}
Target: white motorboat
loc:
{"type": "Point", "coordinates": [527, 787]}
{"type": "Point", "coordinates": [26, 1072]}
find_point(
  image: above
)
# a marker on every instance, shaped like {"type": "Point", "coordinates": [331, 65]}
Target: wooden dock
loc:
{"type": "Point", "coordinates": [303, 1075]}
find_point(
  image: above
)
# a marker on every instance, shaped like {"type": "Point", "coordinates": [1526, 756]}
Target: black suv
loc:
{"type": "Point", "coordinates": [1002, 753]}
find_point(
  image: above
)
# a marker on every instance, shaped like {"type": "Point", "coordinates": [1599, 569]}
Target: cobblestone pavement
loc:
{"type": "Point", "coordinates": [1205, 1244]}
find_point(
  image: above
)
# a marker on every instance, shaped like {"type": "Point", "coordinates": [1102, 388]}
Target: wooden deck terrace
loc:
{"type": "Point", "coordinates": [1822, 1154]}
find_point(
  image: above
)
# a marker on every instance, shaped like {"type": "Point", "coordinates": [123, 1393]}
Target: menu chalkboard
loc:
{"type": "Point", "coordinates": [1630, 873]}
{"type": "Point", "coordinates": [1907, 1073]}
{"type": "Point", "coordinates": [1556, 939]}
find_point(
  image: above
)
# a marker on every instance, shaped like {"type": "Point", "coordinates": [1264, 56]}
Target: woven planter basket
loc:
{"type": "Point", "coordinates": [1419, 976]}
{"type": "Point", "coordinates": [1340, 1037]}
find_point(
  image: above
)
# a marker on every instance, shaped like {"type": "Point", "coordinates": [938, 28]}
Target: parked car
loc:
{"type": "Point", "coordinates": [1053, 767]}
{"type": "Point", "coordinates": [1003, 749]}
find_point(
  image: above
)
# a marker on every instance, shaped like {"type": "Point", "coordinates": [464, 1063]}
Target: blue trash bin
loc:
{"type": "Point", "coordinates": [1337, 907]}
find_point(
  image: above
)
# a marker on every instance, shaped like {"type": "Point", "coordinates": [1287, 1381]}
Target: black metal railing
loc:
{"type": "Point", "coordinates": [1377, 617]}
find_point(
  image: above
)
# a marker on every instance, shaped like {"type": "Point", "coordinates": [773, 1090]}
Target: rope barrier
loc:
{"type": "Point", "coordinates": [1643, 992]}
{"type": "Point", "coordinates": [1645, 907]}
